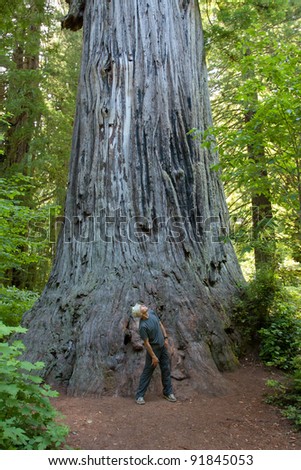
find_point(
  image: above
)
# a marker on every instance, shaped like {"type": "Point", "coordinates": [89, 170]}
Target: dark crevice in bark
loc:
{"type": "Point", "coordinates": [74, 19]}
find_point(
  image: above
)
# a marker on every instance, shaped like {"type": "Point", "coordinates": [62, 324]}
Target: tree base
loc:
{"type": "Point", "coordinates": [90, 345]}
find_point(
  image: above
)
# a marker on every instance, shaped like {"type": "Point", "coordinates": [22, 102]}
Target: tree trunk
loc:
{"type": "Point", "coordinates": [144, 212]}
{"type": "Point", "coordinates": [262, 211]}
{"type": "Point", "coordinates": [24, 83]}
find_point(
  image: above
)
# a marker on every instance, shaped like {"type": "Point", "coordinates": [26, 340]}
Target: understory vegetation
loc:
{"type": "Point", "coordinates": [27, 418]}
{"type": "Point", "coordinates": [268, 317]}
{"type": "Point", "coordinates": [253, 51]}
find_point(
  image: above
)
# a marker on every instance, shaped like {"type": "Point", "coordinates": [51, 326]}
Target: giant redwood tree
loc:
{"type": "Point", "coordinates": [145, 215]}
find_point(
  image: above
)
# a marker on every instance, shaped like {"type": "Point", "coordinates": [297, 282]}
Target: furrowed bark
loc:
{"type": "Point", "coordinates": [144, 211]}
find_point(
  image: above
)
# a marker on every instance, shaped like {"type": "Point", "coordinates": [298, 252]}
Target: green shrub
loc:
{"type": "Point", "coordinates": [252, 309]}
{"type": "Point", "coordinates": [287, 394]}
{"type": "Point", "coordinates": [14, 302]}
{"type": "Point", "coordinates": [281, 338]}
{"type": "Point", "coordinates": [27, 418]}
{"type": "Point", "coordinates": [26, 248]}
{"type": "Point", "coordinates": [268, 317]}
{"type": "Point", "coordinates": [296, 378]}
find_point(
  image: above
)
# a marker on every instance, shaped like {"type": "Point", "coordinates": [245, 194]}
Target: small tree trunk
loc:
{"type": "Point", "coordinates": [262, 212]}
{"type": "Point", "coordinates": [144, 212]}
{"type": "Point", "coordinates": [24, 83]}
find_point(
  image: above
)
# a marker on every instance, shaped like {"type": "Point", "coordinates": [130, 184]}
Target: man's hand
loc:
{"type": "Point", "coordinates": [155, 361]}
{"type": "Point", "coordinates": [166, 342]}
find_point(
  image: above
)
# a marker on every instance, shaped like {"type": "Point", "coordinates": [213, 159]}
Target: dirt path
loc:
{"type": "Point", "coordinates": [239, 420]}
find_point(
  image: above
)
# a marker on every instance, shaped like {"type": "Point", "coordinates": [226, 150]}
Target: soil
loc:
{"type": "Point", "coordinates": [240, 419]}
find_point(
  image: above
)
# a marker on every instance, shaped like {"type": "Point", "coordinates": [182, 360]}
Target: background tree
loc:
{"type": "Point", "coordinates": [253, 52]}
{"type": "Point", "coordinates": [38, 112]}
{"type": "Point", "coordinates": [22, 100]}
{"type": "Point", "coordinates": [144, 212]}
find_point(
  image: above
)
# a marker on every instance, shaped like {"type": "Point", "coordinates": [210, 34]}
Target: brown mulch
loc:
{"type": "Point", "coordinates": [237, 420]}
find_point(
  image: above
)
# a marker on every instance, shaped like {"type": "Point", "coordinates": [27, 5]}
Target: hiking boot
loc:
{"type": "Point", "coordinates": [170, 397]}
{"type": "Point", "coordinates": [140, 401]}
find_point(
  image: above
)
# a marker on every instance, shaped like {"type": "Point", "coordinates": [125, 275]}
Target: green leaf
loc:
{"type": "Point", "coordinates": [10, 389]}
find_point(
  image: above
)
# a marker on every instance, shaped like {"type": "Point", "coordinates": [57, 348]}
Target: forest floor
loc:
{"type": "Point", "coordinates": [238, 420]}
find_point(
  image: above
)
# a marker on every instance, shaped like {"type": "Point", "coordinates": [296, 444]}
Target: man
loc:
{"type": "Point", "coordinates": [155, 342]}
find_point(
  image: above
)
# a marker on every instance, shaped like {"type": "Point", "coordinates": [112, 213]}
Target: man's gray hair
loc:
{"type": "Point", "coordinates": [136, 310]}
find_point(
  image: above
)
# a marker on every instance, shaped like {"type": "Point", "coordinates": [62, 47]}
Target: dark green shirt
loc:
{"type": "Point", "coordinates": [150, 329]}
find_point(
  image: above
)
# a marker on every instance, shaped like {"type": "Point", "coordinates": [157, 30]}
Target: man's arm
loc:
{"type": "Point", "coordinates": [155, 360]}
{"type": "Point", "coordinates": [164, 333]}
